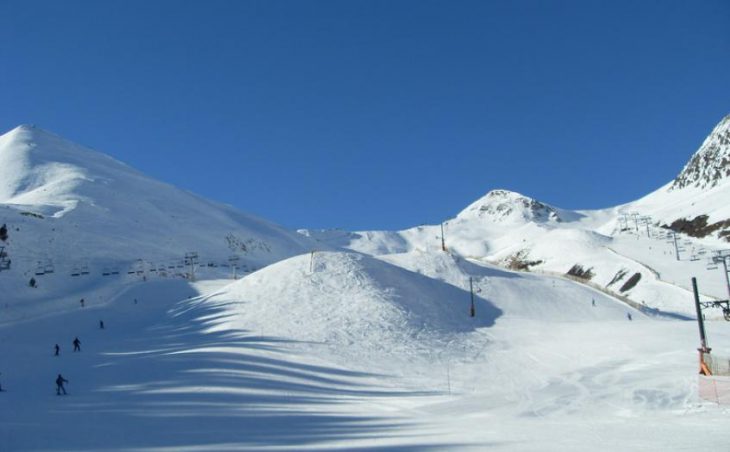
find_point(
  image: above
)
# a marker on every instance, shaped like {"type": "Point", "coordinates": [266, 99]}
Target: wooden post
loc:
{"type": "Point", "coordinates": [443, 240]}
{"type": "Point", "coordinates": [472, 310]}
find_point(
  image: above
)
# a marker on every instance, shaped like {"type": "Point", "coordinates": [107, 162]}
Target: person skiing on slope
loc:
{"type": "Point", "coordinates": [628, 316]}
{"type": "Point", "coordinates": [57, 350]}
{"type": "Point", "coordinates": [101, 324]}
{"type": "Point", "coordinates": [59, 385]}
{"type": "Point", "coordinates": [77, 345]}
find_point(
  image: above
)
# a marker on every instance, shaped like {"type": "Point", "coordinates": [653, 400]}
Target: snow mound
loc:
{"type": "Point", "coordinates": [351, 303]}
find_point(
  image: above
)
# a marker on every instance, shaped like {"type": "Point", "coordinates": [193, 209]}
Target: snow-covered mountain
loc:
{"type": "Point", "coordinates": [710, 165]}
{"type": "Point", "coordinates": [624, 250]}
{"type": "Point", "coordinates": [70, 210]}
{"type": "Point", "coordinates": [414, 347]}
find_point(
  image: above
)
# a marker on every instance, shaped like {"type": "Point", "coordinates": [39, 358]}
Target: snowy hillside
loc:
{"type": "Point", "coordinates": [74, 215]}
{"type": "Point", "coordinates": [344, 352]}
{"type": "Point", "coordinates": [625, 250]}
{"type": "Point", "coordinates": [317, 347]}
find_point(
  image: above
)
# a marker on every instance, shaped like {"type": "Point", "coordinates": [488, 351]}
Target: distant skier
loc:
{"type": "Point", "coordinates": [57, 350]}
{"type": "Point", "coordinates": [1, 386]}
{"type": "Point", "coordinates": [59, 384]}
{"type": "Point", "coordinates": [628, 316]}
{"type": "Point", "coordinates": [82, 302]}
{"type": "Point", "coordinates": [101, 324]}
{"type": "Point", "coordinates": [32, 282]}
{"type": "Point", "coordinates": [593, 302]}
{"type": "Point", "coordinates": [77, 345]}
{"type": "Point", "coordinates": [135, 301]}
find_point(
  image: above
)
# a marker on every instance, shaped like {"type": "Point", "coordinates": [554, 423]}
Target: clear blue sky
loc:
{"type": "Point", "coordinates": [375, 114]}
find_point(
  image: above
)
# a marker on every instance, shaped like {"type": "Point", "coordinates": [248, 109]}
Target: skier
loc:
{"type": "Point", "coordinates": [59, 385]}
{"type": "Point", "coordinates": [57, 350]}
{"type": "Point", "coordinates": [628, 316]}
{"type": "Point", "coordinates": [77, 345]}
{"type": "Point", "coordinates": [101, 324]}
{"type": "Point", "coordinates": [82, 302]}
{"type": "Point", "coordinates": [593, 301]}
{"type": "Point", "coordinates": [32, 282]}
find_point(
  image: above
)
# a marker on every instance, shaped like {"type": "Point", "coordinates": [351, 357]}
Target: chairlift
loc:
{"type": "Point", "coordinates": [75, 273]}
{"type": "Point", "coordinates": [85, 270]}
{"type": "Point", "coordinates": [694, 258]}
{"type": "Point", "coordinates": [130, 272]}
{"type": "Point", "coordinates": [105, 272]}
{"type": "Point", "coordinates": [40, 270]}
{"type": "Point", "coordinates": [712, 267]}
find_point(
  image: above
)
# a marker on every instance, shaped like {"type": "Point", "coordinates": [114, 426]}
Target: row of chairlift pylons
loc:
{"type": "Point", "coordinates": [141, 267]}
{"type": "Point", "coordinates": [671, 237]}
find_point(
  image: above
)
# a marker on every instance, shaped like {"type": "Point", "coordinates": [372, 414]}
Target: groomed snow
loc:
{"type": "Point", "coordinates": [371, 349]}
{"type": "Point", "coordinates": [343, 358]}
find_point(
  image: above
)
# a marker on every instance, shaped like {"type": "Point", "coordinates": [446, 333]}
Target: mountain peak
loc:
{"type": "Point", "coordinates": [710, 165]}
{"type": "Point", "coordinates": [510, 206]}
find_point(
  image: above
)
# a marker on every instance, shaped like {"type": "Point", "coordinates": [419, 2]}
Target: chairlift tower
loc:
{"type": "Point", "coordinates": [233, 261]}
{"type": "Point", "coordinates": [635, 216]}
{"type": "Point", "coordinates": [676, 245]}
{"type": "Point", "coordinates": [623, 222]}
{"type": "Point", "coordinates": [646, 220]}
{"type": "Point", "coordinates": [191, 259]}
{"type": "Point", "coordinates": [723, 257]}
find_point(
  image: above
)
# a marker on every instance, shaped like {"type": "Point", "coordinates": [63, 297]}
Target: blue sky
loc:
{"type": "Point", "coordinates": [375, 114]}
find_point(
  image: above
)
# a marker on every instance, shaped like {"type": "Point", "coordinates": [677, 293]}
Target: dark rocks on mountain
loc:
{"type": "Point", "coordinates": [631, 283]}
{"type": "Point", "coordinates": [618, 277]}
{"type": "Point", "coordinates": [578, 271]}
{"type": "Point", "coordinates": [502, 203]}
{"type": "Point", "coordinates": [32, 214]}
{"type": "Point", "coordinates": [519, 261]}
{"type": "Point", "coordinates": [711, 163]}
{"type": "Point", "coordinates": [699, 228]}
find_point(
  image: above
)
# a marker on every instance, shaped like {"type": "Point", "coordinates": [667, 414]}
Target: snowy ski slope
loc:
{"type": "Point", "coordinates": [366, 348]}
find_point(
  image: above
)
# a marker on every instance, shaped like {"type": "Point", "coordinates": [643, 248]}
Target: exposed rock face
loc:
{"type": "Point", "coordinates": [698, 227]}
{"type": "Point", "coordinates": [710, 165]}
{"type": "Point", "coordinates": [504, 205]}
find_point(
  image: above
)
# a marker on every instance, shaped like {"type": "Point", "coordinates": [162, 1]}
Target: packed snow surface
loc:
{"type": "Point", "coordinates": [336, 353]}
{"type": "Point", "coordinates": [521, 327]}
